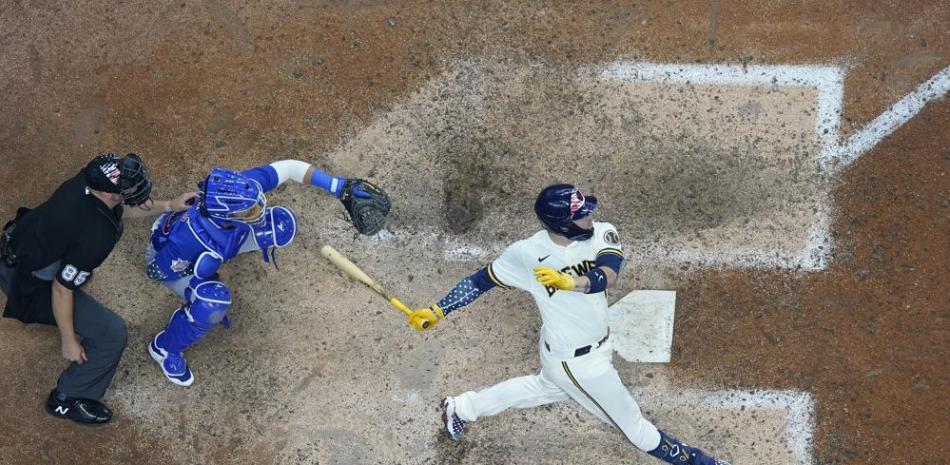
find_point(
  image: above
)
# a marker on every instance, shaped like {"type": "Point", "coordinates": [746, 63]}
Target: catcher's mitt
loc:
{"type": "Point", "coordinates": [367, 205]}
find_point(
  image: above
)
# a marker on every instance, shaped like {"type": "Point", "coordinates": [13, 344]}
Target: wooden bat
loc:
{"type": "Point", "coordinates": [356, 273]}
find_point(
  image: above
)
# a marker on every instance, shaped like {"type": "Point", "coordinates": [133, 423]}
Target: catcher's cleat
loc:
{"type": "Point", "coordinates": [454, 425]}
{"type": "Point", "coordinates": [173, 365]}
{"type": "Point", "coordinates": [86, 411]}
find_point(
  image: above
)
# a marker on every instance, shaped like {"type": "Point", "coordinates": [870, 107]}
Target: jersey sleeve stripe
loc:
{"type": "Point", "coordinates": [491, 275]}
{"type": "Point", "coordinates": [613, 251]}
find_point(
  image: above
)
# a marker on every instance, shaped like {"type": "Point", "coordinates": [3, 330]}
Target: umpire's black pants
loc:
{"type": "Point", "coordinates": [104, 337]}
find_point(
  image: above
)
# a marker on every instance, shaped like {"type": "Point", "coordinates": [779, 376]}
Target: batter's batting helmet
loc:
{"type": "Point", "coordinates": [127, 176]}
{"type": "Point", "coordinates": [230, 196]}
{"type": "Point", "coordinates": [559, 205]}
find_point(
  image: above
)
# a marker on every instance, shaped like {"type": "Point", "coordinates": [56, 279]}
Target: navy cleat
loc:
{"type": "Point", "coordinates": [85, 411]}
{"type": "Point", "coordinates": [672, 451]}
{"type": "Point", "coordinates": [454, 425]}
{"type": "Point", "coordinates": [173, 365]}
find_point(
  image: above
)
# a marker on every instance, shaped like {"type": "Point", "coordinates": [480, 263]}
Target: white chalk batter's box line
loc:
{"type": "Point", "coordinates": [828, 81]}
{"type": "Point", "coordinates": [798, 407]}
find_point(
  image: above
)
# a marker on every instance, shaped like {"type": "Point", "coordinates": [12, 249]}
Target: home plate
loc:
{"type": "Point", "coordinates": [641, 325]}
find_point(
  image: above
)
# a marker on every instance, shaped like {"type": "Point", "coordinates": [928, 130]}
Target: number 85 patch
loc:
{"type": "Point", "coordinates": [71, 275]}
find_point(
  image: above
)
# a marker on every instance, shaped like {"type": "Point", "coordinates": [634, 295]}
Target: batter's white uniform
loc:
{"type": "Point", "coordinates": [571, 321]}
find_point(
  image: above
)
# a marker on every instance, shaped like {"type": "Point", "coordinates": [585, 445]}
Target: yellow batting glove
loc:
{"type": "Point", "coordinates": [552, 277]}
{"type": "Point", "coordinates": [424, 319]}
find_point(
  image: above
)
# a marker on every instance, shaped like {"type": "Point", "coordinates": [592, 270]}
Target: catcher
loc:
{"type": "Point", "coordinates": [231, 217]}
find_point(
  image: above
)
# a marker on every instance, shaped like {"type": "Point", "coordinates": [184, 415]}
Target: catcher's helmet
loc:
{"type": "Point", "coordinates": [127, 176]}
{"type": "Point", "coordinates": [227, 195]}
{"type": "Point", "coordinates": [277, 230]}
{"type": "Point", "coordinates": [559, 205]}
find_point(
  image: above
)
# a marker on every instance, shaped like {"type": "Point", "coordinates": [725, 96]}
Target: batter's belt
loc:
{"type": "Point", "coordinates": [584, 350]}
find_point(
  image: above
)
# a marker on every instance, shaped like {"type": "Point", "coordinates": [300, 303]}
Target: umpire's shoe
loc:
{"type": "Point", "coordinates": [454, 425]}
{"type": "Point", "coordinates": [173, 365]}
{"type": "Point", "coordinates": [88, 411]}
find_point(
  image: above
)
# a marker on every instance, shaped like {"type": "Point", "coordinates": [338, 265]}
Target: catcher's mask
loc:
{"type": "Point", "coordinates": [227, 196]}
{"type": "Point", "coordinates": [127, 176]}
{"type": "Point", "coordinates": [559, 205]}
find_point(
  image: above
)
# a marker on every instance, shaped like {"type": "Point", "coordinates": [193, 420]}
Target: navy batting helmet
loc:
{"type": "Point", "coordinates": [559, 205]}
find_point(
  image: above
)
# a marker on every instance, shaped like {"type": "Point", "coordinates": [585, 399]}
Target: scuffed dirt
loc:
{"type": "Point", "coordinates": [317, 370]}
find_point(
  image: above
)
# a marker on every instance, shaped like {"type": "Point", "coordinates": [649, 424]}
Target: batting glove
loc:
{"type": "Point", "coordinates": [555, 278]}
{"type": "Point", "coordinates": [424, 319]}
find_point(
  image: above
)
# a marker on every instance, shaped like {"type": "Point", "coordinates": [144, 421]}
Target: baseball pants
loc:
{"type": "Point", "coordinates": [104, 337]}
{"type": "Point", "coordinates": [590, 380]}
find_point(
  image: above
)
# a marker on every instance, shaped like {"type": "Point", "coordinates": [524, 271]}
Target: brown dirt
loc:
{"type": "Point", "coordinates": [190, 84]}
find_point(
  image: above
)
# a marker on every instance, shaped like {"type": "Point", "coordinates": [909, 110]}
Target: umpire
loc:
{"type": "Point", "coordinates": [49, 252]}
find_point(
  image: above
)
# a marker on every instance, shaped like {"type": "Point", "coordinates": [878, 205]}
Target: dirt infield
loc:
{"type": "Point", "coordinates": [463, 112]}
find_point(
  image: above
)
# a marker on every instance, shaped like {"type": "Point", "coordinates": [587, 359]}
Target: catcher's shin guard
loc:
{"type": "Point", "coordinates": [208, 308]}
{"type": "Point", "coordinates": [672, 451]}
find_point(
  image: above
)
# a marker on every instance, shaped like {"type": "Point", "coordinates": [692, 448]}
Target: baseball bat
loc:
{"type": "Point", "coordinates": [358, 274]}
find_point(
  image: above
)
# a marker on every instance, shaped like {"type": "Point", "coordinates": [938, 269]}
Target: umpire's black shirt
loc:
{"type": "Point", "coordinates": [73, 227]}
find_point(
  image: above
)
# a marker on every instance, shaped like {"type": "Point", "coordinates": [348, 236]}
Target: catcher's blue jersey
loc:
{"type": "Point", "coordinates": [188, 243]}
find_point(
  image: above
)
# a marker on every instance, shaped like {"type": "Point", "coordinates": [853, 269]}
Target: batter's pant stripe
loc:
{"type": "Point", "coordinates": [491, 275]}
{"type": "Point", "coordinates": [574, 380]}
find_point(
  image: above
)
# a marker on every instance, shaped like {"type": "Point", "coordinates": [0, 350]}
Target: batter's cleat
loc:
{"type": "Point", "coordinates": [672, 451]}
{"type": "Point", "coordinates": [85, 411]}
{"type": "Point", "coordinates": [173, 364]}
{"type": "Point", "coordinates": [454, 425]}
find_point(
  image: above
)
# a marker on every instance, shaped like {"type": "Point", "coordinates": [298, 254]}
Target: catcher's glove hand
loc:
{"type": "Point", "coordinates": [367, 205]}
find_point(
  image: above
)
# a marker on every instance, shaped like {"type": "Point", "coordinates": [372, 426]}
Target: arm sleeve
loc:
{"type": "Point", "coordinates": [610, 258]}
{"type": "Point", "coordinates": [609, 249]}
{"type": "Point", "coordinates": [466, 291]}
{"type": "Point", "coordinates": [297, 171]}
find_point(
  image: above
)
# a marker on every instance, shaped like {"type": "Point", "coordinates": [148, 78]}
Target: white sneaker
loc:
{"type": "Point", "coordinates": [454, 425]}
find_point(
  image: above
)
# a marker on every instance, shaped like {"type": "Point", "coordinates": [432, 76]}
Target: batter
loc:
{"type": "Point", "coordinates": [567, 267]}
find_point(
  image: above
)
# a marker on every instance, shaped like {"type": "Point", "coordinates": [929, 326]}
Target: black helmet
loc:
{"type": "Point", "coordinates": [127, 176]}
{"type": "Point", "coordinates": [559, 205]}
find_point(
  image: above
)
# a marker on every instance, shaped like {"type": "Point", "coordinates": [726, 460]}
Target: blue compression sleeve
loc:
{"type": "Point", "coordinates": [466, 291]}
{"type": "Point", "coordinates": [331, 184]}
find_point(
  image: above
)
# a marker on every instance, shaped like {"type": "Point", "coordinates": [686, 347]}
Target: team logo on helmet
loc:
{"type": "Point", "coordinates": [111, 170]}
{"type": "Point", "coordinates": [577, 201]}
{"type": "Point", "coordinates": [559, 205]}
